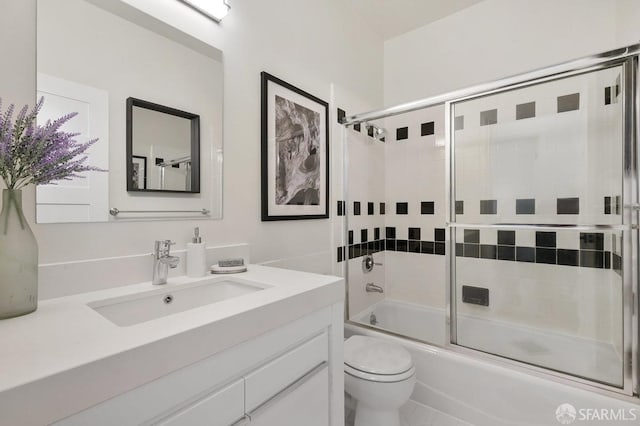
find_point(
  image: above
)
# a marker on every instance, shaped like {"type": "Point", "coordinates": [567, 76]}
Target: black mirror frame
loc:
{"type": "Point", "coordinates": [195, 144]}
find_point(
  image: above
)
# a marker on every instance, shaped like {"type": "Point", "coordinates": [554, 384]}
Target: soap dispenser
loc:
{"type": "Point", "coordinates": [196, 256]}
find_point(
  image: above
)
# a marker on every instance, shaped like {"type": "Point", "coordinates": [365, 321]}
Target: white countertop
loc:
{"type": "Point", "coordinates": [65, 334]}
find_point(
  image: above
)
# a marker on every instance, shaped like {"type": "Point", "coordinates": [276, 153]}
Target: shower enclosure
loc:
{"type": "Point", "coordinates": [501, 221]}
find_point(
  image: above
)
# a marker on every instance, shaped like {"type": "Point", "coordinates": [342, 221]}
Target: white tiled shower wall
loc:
{"type": "Point", "coordinates": [573, 154]}
{"type": "Point", "coordinates": [415, 170]}
{"type": "Point", "coordinates": [383, 172]}
{"type": "Point", "coordinates": [366, 180]}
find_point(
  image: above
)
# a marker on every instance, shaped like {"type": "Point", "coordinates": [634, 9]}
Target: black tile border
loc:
{"type": "Point", "coordinates": [507, 253]}
{"type": "Point", "coordinates": [488, 251]}
{"type": "Point", "coordinates": [471, 236]}
{"type": "Point", "coordinates": [525, 254]}
{"type": "Point", "coordinates": [590, 255]}
{"type": "Point", "coordinates": [506, 238]}
{"type": "Point", "coordinates": [568, 257]}
{"type": "Point", "coordinates": [545, 239]}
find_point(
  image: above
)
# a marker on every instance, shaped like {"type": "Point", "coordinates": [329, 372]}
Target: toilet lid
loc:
{"type": "Point", "coordinates": [376, 356]}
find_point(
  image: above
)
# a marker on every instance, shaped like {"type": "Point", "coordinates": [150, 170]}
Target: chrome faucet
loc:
{"type": "Point", "coordinates": [162, 261]}
{"type": "Point", "coordinates": [372, 288]}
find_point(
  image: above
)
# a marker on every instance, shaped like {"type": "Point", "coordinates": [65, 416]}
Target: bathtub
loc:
{"type": "Point", "coordinates": [481, 392]}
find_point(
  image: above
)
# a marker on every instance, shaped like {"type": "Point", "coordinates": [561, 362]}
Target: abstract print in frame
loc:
{"type": "Point", "coordinates": [295, 152]}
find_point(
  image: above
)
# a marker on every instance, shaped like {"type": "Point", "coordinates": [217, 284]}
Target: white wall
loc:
{"type": "Point", "coordinates": [499, 38]}
{"type": "Point", "coordinates": [316, 46]}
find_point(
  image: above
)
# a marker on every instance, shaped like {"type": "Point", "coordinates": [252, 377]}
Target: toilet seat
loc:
{"type": "Point", "coordinates": [380, 378]}
{"type": "Point", "coordinates": [377, 360]}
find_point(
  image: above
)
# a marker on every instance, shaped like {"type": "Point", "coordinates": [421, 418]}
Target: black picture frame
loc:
{"type": "Point", "coordinates": [294, 152]}
{"type": "Point", "coordinates": [136, 176]}
{"type": "Point", "coordinates": [194, 144]}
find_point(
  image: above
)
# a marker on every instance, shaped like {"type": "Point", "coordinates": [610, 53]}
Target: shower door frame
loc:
{"type": "Point", "coordinates": [629, 226]}
{"type": "Point", "coordinates": [629, 55]}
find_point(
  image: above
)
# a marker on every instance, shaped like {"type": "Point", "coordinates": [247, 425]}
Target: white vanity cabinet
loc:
{"type": "Point", "coordinates": [280, 378]}
{"type": "Point", "coordinates": [304, 403]}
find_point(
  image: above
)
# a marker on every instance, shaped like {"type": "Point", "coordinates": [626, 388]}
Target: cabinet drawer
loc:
{"type": "Point", "coordinates": [221, 408]}
{"type": "Point", "coordinates": [307, 404]}
{"type": "Point", "coordinates": [273, 377]}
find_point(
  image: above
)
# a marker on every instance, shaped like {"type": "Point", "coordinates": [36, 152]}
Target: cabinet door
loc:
{"type": "Point", "coordinates": [305, 402]}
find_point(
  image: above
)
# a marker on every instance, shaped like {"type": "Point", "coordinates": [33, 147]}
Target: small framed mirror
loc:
{"type": "Point", "coordinates": [163, 148]}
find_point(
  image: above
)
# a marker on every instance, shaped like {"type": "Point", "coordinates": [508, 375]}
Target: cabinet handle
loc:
{"type": "Point", "coordinates": [286, 391]}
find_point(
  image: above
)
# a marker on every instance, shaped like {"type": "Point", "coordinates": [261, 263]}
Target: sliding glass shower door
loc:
{"type": "Point", "coordinates": [541, 184]}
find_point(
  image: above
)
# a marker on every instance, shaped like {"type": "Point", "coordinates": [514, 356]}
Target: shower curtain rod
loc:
{"type": "Point", "coordinates": [573, 65]}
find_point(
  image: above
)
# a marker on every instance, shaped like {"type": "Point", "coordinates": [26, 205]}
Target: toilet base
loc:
{"type": "Point", "coordinates": [370, 416]}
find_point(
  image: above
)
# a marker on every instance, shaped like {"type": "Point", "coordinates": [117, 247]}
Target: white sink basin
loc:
{"type": "Point", "coordinates": [150, 305]}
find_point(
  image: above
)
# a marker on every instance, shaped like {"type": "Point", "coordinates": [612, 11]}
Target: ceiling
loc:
{"type": "Point", "coordinates": [390, 18]}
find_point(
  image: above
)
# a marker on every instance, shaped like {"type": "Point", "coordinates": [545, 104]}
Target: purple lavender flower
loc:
{"type": "Point", "coordinates": [33, 154]}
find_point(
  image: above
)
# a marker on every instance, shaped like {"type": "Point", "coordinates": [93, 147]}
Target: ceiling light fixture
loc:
{"type": "Point", "coordinates": [214, 9]}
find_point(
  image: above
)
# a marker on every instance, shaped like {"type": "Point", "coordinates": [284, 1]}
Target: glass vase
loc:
{"type": "Point", "coordinates": [18, 259]}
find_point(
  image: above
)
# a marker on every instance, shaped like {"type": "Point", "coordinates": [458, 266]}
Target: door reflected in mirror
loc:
{"type": "Point", "coordinates": [163, 147]}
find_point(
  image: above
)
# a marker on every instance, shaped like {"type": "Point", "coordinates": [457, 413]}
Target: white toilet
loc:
{"type": "Point", "coordinates": [380, 375]}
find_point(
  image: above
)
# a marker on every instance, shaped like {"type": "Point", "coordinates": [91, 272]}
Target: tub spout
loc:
{"type": "Point", "coordinates": [372, 288]}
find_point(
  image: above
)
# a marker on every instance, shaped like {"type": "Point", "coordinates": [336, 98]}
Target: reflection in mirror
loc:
{"type": "Point", "coordinates": [163, 148]}
{"type": "Point", "coordinates": [112, 51]}
{"type": "Point", "coordinates": [85, 198]}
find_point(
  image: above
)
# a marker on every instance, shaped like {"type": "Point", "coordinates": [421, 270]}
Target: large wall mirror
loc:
{"type": "Point", "coordinates": [114, 63]}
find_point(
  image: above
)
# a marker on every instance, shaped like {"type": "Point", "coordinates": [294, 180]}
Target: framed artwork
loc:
{"type": "Point", "coordinates": [139, 172]}
{"type": "Point", "coordinates": [295, 152]}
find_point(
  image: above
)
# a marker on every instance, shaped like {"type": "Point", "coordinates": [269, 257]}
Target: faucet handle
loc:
{"type": "Point", "coordinates": [163, 246]}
